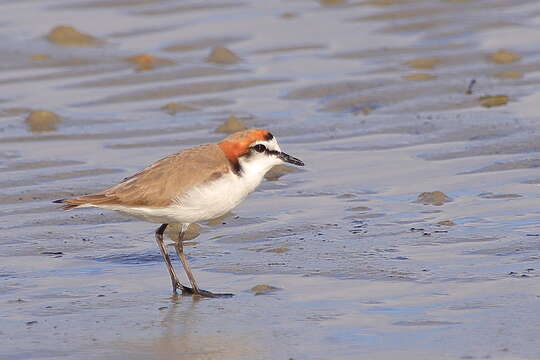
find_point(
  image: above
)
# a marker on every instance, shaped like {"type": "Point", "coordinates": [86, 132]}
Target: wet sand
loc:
{"type": "Point", "coordinates": [376, 98]}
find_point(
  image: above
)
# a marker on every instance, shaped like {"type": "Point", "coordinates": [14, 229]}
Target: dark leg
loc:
{"type": "Point", "coordinates": [174, 279]}
{"type": "Point", "coordinates": [179, 247]}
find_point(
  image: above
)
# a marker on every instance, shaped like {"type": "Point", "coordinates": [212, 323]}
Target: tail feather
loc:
{"type": "Point", "coordinates": [66, 206]}
{"type": "Point", "coordinates": [94, 199]}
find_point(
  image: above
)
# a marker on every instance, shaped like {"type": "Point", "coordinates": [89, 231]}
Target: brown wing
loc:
{"type": "Point", "coordinates": [160, 183]}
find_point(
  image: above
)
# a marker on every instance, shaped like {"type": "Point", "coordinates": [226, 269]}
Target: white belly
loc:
{"type": "Point", "coordinates": [200, 204]}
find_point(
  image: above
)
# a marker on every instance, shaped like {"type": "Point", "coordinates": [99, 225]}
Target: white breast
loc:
{"type": "Point", "coordinates": [215, 199]}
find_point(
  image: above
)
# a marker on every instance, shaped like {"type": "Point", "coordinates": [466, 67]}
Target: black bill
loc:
{"type": "Point", "coordinates": [290, 159]}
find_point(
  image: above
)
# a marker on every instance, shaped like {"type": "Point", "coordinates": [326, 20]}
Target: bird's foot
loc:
{"type": "Point", "coordinates": [184, 290]}
{"type": "Point", "coordinates": [208, 294]}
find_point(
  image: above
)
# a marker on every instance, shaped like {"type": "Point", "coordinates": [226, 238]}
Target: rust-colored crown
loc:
{"type": "Point", "coordinates": [237, 144]}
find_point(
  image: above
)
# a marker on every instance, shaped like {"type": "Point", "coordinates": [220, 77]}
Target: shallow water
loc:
{"type": "Point", "coordinates": [372, 95]}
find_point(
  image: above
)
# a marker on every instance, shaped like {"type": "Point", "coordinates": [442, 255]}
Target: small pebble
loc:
{"type": "Point", "coordinates": [69, 36]}
{"type": "Point", "coordinates": [145, 62]}
{"type": "Point", "coordinates": [419, 77]}
{"type": "Point", "coordinates": [493, 100]}
{"type": "Point", "coordinates": [173, 108]}
{"type": "Point", "coordinates": [504, 57]}
{"type": "Point", "coordinates": [423, 63]}
{"type": "Point", "coordinates": [263, 289]}
{"type": "Point", "coordinates": [231, 125]}
{"type": "Point", "coordinates": [278, 171]}
{"type": "Point", "coordinates": [446, 223]}
{"type": "Point", "coordinates": [436, 198]}
{"type": "Point", "coordinates": [222, 55]}
{"type": "Point", "coordinates": [42, 121]}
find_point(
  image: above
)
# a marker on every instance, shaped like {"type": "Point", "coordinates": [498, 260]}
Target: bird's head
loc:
{"type": "Point", "coordinates": [255, 149]}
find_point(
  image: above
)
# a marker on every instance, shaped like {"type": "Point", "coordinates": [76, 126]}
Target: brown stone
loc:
{"type": "Point", "coordinates": [69, 36]}
{"type": "Point", "coordinates": [433, 198]}
{"type": "Point", "coordinates": [231, 125]}
{"type": "Point", "coordinates": [222, 55]}
{"type": "Point", "coordinates": [42, 120]}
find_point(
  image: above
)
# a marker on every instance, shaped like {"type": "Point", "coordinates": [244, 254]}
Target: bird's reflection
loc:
{"type": "Point", "coordinates": [191, 327]}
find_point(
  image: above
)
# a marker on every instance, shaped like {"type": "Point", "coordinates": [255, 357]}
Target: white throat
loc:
{"type": "Point", "coordinates": [253, 170]}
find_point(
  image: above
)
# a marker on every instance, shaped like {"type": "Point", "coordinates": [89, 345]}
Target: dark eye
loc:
{"type": "Point", "coordinates": [259, 148]}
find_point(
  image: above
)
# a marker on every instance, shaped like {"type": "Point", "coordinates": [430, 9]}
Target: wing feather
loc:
{"type": "Point", "coordinates": [162, 182]}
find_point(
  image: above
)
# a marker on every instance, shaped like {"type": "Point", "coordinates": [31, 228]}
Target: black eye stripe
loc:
{"type": "Point", "coordinates": [272, 152]}
{"type": "Point", "coordinates": [261, 148]}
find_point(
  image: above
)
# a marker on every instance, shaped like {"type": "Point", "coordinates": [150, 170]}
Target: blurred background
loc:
{"type": "Point", "coordinates": [412, 231]}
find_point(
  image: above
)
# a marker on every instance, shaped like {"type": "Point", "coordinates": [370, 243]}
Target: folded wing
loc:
{"type": "Point", "coordinates": [162, 182]}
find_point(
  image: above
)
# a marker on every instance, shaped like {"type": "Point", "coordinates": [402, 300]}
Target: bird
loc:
{"type": "Point", "coordinates": [194, 185]}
